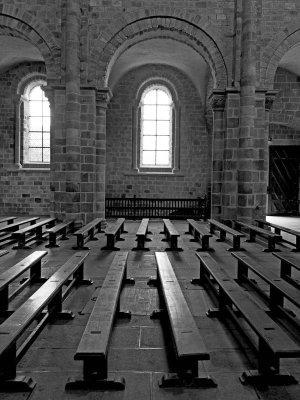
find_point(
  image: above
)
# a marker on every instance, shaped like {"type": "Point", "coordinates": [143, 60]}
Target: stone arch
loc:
{"type": "Point", "coordinates": [279, 45]}
{"type": "Point", "coordinates": [19, 23]}
{"type": "Point", "coordinates": [165, 22]}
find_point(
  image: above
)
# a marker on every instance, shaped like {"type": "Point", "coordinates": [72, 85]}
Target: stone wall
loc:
{"type": "Point", "coordinates": [21, 191]}
{"type": "Point", "coordinates": [192, 179]}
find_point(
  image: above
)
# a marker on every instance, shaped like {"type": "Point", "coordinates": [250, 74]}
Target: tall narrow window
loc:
{"type": "Point", "coordinates": [156, 128]}
{"type": "Point", "coordinates": [37, 139]}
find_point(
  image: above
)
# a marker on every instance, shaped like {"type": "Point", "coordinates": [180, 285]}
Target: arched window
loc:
{"type": "Point", "coordinates": [156, 127]}
{"type": "Point", "coordinates": [33, 125]}
{"type": "Point", "coordinates": [36, 139]}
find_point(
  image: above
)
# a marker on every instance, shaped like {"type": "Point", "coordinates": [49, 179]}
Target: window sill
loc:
{"type": "Point", "coordinates": [154, 173]}
{"type": "Point", "coordinates": [20, 168]}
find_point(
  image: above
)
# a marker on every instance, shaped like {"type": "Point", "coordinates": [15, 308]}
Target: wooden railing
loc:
{"type": "Point", "coordinates": [137, 208]}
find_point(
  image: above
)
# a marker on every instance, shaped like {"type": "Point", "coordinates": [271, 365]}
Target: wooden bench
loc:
{"type": "Point", "coordinates": [37, 229]}
{"type": "Point", "coordinates": [277, 229]}
{"type": "Point", "coordinates": [188, 343]}
{"type": "Point", "coordinates": [288, 261]}
{"type": "Point", "coordinates": [61, 229]}
{"type": "Point", "coordinates": [255, 230]}
{"type": "Point", "coordinates": [200, 234]}
{"type": "Point", "coordinates": [5, 230]}
{"type": "Point", "coordinates": [49, 295]}
{"type": "Point", "coordinates": [87, 233]}
{"type": "Point", "coordinates": [224, 229]}
{"type": "Point", "coordinates": [9, 220]}
{"type": "Point", "coordinates": [94, 343]}
{"type": "Point", "coordinates": [113, 233]}
{"type": "Point", "coordinates": [141, 235]}
{"type": "Point", "coordinates": [33, 263]}
{"type": "Point", "coordinates": [279, 288]}
{"type": "Point", "coordinates": [273, 342]}
{"type": "Point", "coordinates": [172, 235]}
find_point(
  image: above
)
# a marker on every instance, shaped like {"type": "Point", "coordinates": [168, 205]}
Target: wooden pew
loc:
{"type": "Point", "coordinates": [37, 229]}
{"type": "Point", "coordinates": [61, 229]}
{"type": "Point", "coordinates": [5, 230]}
{"type": "Point", "coordinates": [278, 229]}
{"type": "Point", "coordinates": [141, 235]}
{"type": "Point", "coordinates": [33, 263]}
{"type": "Point", "coordinates": [9, 220]}
{"type": "Point", "coordinates": [224, 229]}
{"type": "Point", "coordinates": [279, 288]}
{"type": "Point", "coordinates": [199, 233]}
{"type": "Point", "coordinates": [87, 233]}
{"type": "Point", "coordinates": [94, 344]}
{"type": "Point", "coordinates": [49, 295]}
{"type": "Point", "coordinates": [255, 230]}
{"type": "Point", "coordinates": [113, 233]}
{"type": "Point", "coordinates": [273, 342]}
{"type": "Point", "coordinates": [3, 252]}
{"type": "Point", "coordinates": [188, 343]}
{"type": "Point", "coordinates": [172, 235]}
{"type": "Point", "coordinates": [288, 261]}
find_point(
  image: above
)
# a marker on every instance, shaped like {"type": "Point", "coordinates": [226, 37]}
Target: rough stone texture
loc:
{"type": "Point", "coordinates": [194, 162]}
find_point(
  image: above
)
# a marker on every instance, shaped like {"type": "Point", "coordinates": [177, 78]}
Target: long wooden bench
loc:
{"type": "Point", "coordinates": [141, 235]}
{"type": "Point", "coordinates": [272, 238]}
{"type": "Point", "coordinates": [94, 343]}
{"type": "Point", "coordinates": [33, 263]}
{"type": "Point", "coordinates": [288, 261]}
{"type": "Point", "coordinates": [113, 234]}
{"type": "Point", "coordinates": [224, 229]}
{"type": "Point", "coordinates": [273, 342]}
{"type": "Point", "coordinates": [200, 234]}
{"type": "Point", "coordinates": [171, 234]}
{"type": "Point", "coordinates": [278, 229]}
{"type": "Point", "coordinates": [279, 288]}
{"type": "Point", "coordinates": [5, 231]}
{"type": "Point", "coordinates": [61, 229]}
{"type": "Point", "coordinates": [49, 295]}
{"type": "Point", "coordinates": [188, 343]}
{"type": "Point", "coordinates": [87, 233]}
{"type": "Point", "coordinates": [36, 229]}
{"type": "Point", "coordinates": [9, 220]}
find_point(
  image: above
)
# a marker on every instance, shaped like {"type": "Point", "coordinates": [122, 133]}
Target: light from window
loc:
{"type": "Point", "coordinates": [156, 128]}
{"type": "Point", "coordinates": [39, 127]}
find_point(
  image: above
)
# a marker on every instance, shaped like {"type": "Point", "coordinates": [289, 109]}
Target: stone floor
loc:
{"type": "Point", "coordinates": [139, 349]}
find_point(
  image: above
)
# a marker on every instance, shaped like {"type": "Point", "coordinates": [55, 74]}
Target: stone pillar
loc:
{"type": "Point", "coordinates": [103, 96]}
{"type": "Point", "coordinates": [71, 201]}
{"type": "Point", "coordinates": [269, 100]}
{"type": "Point", "coordinates": [218, 102]}
{"type": "Point", "coordinates": [247, 152]}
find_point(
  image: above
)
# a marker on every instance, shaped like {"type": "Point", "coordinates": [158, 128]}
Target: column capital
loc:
{"type": "Point", "coordinates": [103, 96]}
{"type": "Point", "coordinates": [218, 100]}
{"type": "Point", "coordinates": [270, 97]}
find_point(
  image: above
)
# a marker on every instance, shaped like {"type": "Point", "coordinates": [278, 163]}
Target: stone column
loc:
{"type": "Point", "coordinates": [247, 172]}
{"type": "Point", "coordinates": [103, 96]}
{"type": "Point", "coordinates": [218, 102]}
{"type": "Point", "coordinates": [269, 100]}
{"type": "Point", "coordinates": [71, 202]}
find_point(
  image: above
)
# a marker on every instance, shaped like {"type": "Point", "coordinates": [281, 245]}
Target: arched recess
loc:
{"type": "Point", "coordinates": [21, 24]}
{"type": "Point", "coordinates": [284, 41]}
{"type": "Point", "coordinates": [111, 44]}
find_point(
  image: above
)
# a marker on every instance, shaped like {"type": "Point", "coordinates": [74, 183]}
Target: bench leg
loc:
{"type": "Point", "coordinates": [91, 234]}
{"type": "Point", "coordinates": [271, 245]}
{"type": "Point", "coordinates": [173, 244]}
{"type": "Point", "coordinates": [222, 237]}
{"type": "Point", "coordinates": [39, 234]}
{"type": "Point", "coordinates": [9, 380]}
{"type": "Point", "coordinates": [297, 244]}
{"type": "Point", "coordinates": [252, 235]}
{"type": "Point", "coordinates": [52, 240]}
{"type": "Point", "coordinates": [205, 244]}
{"type": "Point", "coordinates": [268, 371]}
{"type": "Point", "coordinates": [21, 243]}
{"type": "Point", "coordinates": [95, 376]}
{"type": "Point", "coordinates": [35, 271]}
{"type": "Point", "coordinates": [110, 243]}
{"type": "Point", "coordinates": [4, 299]}
{"type": "Point", "coordinates": [80, 244]}
{"type": "Point", "coordinates": [236, 244]}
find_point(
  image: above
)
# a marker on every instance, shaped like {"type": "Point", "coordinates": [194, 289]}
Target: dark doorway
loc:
{"type": "Point", "coordinates": [284, 180]}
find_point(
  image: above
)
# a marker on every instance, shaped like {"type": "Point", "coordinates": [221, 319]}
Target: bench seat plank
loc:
{"type": "Point", "coordinates": [224, 229]}
{"type": "Point", "coordinates": [172, 235]}
{"type": "Point", "coordinates": [199, 232]}
{"type": "Point", "coordinates": [188, 341]}
{"type": "Point", "coordinates": [272, 237]}
{"type": "Point", "coordinates": [20, 235]}
{"type": "Point", "coordinates": [279, 228]}
{"type": "Point", "coordinates": [288, 261]}
{"type": "Point", "coordinates": [59, 228]}
{"type": "Point", "coordinates": [113, 233]}
{"type": "Point", "coordinates": [16, 225]}
{"type": "Point", "coordinates": [9, 220]}
{"type": "Point", "coordinates": [141, 235]}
